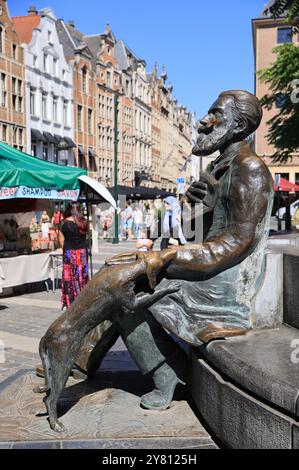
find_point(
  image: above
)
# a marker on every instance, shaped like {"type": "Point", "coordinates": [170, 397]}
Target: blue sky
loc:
{"type": "Point", "coordinates": [206, 46]}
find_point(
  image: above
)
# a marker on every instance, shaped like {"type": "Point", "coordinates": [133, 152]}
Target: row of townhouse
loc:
{"type": "Point", "coordinates": [58, 92]}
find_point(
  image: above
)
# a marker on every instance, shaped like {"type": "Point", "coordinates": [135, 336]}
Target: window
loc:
{"type": "Point", "coordinates": [14, 136]}
{"type": "Point", "coordinates": [45, 62]}
{"type": "Point", "coordinates": [14, 93]}
{"type": "Point", "coordinates": [280, 100]}
{"type": "Point", "coordinates": [19, 97]}
{"type": "Point", "coordinates": [32, 101]}
{"type": "Point", "coordinates": [285, 176]}
{"type": "Point", "coordinates": [84, 80]}
{"type": "Point", "coordinates": [109, 79]}
{"type": "Point", "coordinates": [3, 90]}
{"type": "Point", "coordinates": [56, 67]}
{"type": "Point", "coordinates": [14, 51]}
{"type": "Point", "coordinates": [1, 40]}
{"type": "Point", "coordinates": [20, 137]}
{"type": "Point", "coordinates": [65, 113]}
{"type": "Point", "coordinates": [90, 126]}
{"type": "Point", "coordinates": [64, 75]}
{"type": "Point", "coordinates": [55, 108]}
{"type": "Point", "coordinates": [79, 117]}
{"type": "Point", "coordinates": [35, 62]}
{"type": "Point", "coordinates": [34, 149]}
{"type": "Point", "coordinates": [4, 133]}
{"type": "Point", "coordinates": [45, 151]}
{"type": "Point", "coordinates": [44, 105]}
{"type": "Point", "coordinates": [284, 35]}
{"type": "Point", "coordinates": [50, 36]}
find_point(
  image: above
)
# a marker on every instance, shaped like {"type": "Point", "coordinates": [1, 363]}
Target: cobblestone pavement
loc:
{"type": "Point", "coordinates": [25, 318]}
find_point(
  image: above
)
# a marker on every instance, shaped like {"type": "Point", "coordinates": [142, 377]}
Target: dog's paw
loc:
{"type": "Point", "coordinates": [58, 427]}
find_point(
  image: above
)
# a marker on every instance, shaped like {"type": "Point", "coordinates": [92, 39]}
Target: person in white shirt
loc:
{"type": "Point", "coordinates": [138, 221]}
{"type": "Point", "coordinates": [128, 220]}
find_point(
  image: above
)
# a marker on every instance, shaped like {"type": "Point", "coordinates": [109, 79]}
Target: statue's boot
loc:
{"type": "Point", "coordinates": [156, 354]}
{"type": "Point", "coordinates": [166, 378]}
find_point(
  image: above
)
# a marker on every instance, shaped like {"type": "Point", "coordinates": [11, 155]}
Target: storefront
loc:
{"type": "Point", "coordinates": [28, 186]}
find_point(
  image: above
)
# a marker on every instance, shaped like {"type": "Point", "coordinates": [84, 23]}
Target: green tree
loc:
{"type": "Point", "coordinates": [283, 80]}
{"type": "Point", "coordinates": [287, 8]}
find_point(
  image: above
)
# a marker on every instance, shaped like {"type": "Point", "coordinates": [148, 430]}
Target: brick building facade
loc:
{"type": "Point", "coordinates": [12, 83]}
{"type": "Point", "coordinates": [267, 34]}
{"type": "Point", "coordinates": [154, 132]}
{"type": "Point", "coordinates": [80, 58]}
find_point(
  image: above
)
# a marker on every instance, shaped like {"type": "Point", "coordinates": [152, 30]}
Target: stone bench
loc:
{"type": "Point", "coordinates": [247, 388]}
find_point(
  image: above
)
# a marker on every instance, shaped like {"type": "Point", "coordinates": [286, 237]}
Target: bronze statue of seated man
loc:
{"type": "Point", "coordinates": [197, 292]}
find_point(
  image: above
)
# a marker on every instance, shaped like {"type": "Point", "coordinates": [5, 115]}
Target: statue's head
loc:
{"type": "Point", "coordinates": [234, 116]}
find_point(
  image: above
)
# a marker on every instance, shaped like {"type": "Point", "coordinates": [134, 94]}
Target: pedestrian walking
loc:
{"type": "Point", "coordinates": [150, 221]}
{"type": "Point", "coordinates": [75, 273]}
{"type": "Point", "coordinates": [172, 233]}
{"type": "Point", "coordinates": [128, 220]}
{"type": "Point", "coordinates": [137, 221]}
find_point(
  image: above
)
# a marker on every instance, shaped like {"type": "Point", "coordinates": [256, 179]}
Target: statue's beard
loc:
{"type": "Point", "coordinates": [209, 143]}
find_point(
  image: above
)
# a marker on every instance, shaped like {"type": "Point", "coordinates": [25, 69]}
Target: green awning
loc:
{"type": "Point", "coordinates": [22, 175]}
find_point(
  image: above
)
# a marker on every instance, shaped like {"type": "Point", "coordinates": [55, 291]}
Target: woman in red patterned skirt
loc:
{"type": "Point", "coordinates": [75, 274]}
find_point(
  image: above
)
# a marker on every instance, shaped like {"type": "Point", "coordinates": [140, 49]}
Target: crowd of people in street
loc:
{"type": "Point", "coordinates": [145, 222]}
{"type": "Point", "coordinates": [142, 222]}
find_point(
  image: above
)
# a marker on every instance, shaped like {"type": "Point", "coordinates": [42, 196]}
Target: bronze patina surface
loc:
{"type": "Point", "coordinates": [203, 291]}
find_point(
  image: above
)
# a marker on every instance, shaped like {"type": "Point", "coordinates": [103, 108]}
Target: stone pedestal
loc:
{"type": "Point", "coordinates": [100, 414]}
{"type": "Point", "coordinates": [246, 388]}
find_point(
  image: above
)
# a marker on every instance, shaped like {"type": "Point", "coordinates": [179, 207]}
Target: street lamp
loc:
{"type": "Point", "coordinates": [115, 240]}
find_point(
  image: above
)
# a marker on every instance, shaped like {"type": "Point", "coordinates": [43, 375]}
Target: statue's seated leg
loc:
{"type": "Point", "coordinates": [156, 354]}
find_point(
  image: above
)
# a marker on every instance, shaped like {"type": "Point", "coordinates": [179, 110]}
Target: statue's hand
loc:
{"type": "Point", "coordinates": [155, 261]}
{"type": "Point", "coordinates": [205, 191]}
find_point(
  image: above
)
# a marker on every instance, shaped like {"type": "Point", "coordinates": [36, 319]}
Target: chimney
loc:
{"type": "Point", "coordinates": [72, 24]}
{"type": "Point", "coordinates": [32, 11]}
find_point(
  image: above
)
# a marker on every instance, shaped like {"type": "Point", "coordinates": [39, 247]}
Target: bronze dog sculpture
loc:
{"type": "Point", "coordinates": [61, 344]}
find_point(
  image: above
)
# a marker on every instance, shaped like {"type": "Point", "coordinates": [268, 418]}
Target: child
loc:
{"type": "Point", "coordinates": [144, 244]}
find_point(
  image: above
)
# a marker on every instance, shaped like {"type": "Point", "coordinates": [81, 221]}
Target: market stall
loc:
{"type": "Point", "coordinates": [25, 181]}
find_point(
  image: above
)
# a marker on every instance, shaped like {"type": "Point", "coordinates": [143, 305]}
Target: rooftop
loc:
{"type": "Point", "coordinates": [25, 25]}
{"type": "Point", "coordinates": [266, 10]}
